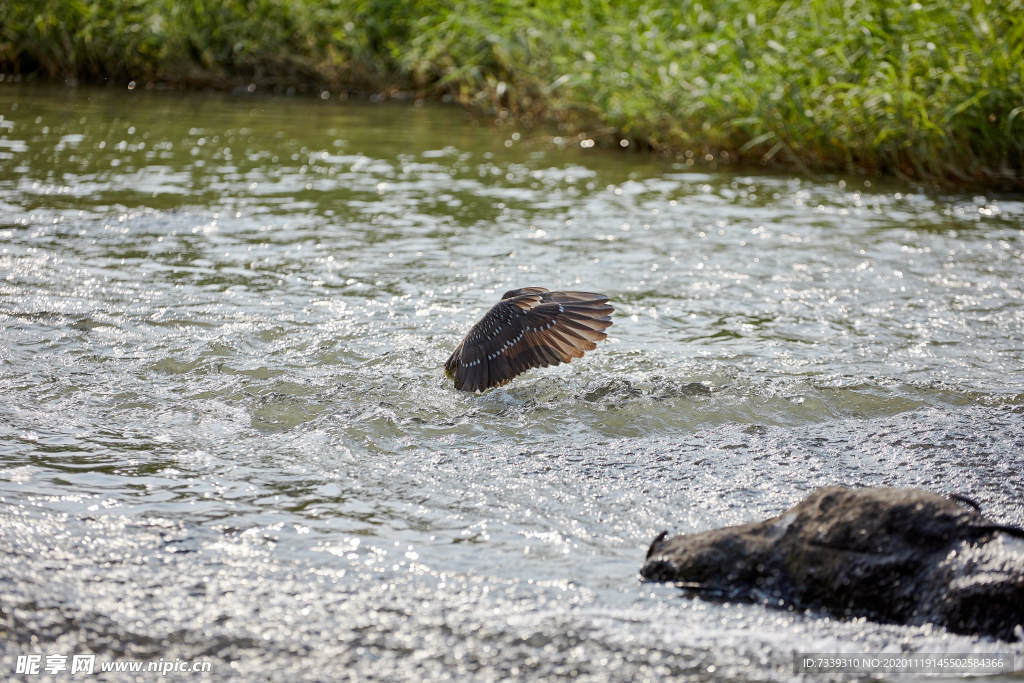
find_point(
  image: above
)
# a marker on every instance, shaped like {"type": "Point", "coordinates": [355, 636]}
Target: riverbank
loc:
{"type": "Point", "coordinates": [919, 90]}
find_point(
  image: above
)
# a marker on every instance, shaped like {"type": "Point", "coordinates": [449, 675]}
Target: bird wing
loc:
{"type": "Point", "coordinates": [535, 329]}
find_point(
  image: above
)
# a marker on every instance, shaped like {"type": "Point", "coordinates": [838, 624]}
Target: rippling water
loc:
{"type": "Point", "coordinates": [226, 434]}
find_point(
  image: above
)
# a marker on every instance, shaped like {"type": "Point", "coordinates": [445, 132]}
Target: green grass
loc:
{"type": "Point", "coordinates": [930, 90]}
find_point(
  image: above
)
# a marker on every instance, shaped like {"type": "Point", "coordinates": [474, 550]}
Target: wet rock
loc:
{"type": "Point", "coordinates": [897, 555]}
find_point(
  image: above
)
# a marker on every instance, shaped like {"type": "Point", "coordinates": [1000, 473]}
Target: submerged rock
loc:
{"type": "Point", "coordinates": [897, 555]}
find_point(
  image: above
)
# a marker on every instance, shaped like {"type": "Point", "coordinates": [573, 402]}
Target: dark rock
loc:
{"type": "Point", "coordinates": [897, 555]}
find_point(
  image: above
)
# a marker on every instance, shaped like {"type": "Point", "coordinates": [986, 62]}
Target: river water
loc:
{"type": "Point", "coordinates": [226, 435]}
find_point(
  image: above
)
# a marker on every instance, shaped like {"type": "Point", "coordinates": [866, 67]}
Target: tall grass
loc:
{"type": "Point", "coordinates": [931, 90]}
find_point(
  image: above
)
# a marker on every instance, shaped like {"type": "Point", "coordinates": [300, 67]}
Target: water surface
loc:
{"type": "Point", "coordinates": [226, 434]}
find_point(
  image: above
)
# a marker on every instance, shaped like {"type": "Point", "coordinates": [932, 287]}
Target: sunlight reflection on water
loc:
{"type": "Point", "coordinates": [222, 362]}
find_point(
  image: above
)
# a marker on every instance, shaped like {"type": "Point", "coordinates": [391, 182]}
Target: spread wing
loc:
{"type": "Point", "coordinates": [535, 329]}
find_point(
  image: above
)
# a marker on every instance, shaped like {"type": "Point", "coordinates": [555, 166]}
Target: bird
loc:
{"type": "Point", "coordinates": [530, 327]}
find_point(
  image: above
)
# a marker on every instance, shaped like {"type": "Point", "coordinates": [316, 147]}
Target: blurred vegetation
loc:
{"type": "Point", "coordinates": [931, 90]}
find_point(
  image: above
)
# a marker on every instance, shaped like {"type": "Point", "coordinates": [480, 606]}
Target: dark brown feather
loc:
{"type": "Point", "coordinates": [529, 328]}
